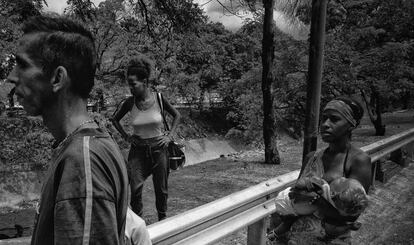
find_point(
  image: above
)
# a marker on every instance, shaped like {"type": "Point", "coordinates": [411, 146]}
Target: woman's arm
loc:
{"type": "Point", "coordinates": [174, 113]}
{"type": "Point", "coordinates": [361, 170]}
{"type": "Point", "coordinates": [120, 112]}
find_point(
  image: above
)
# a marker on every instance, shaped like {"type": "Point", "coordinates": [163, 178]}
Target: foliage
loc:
{"type": "Point", "coordinates": [368, 51]}
{"type": "Point", "coordinates": [369, 48]}
{"type": "Point", "coordinates": [24, 140]}
{"type": "Point", "coordinates": [186, 87]}
{"type": "Point", "coordinates": [378, 39]}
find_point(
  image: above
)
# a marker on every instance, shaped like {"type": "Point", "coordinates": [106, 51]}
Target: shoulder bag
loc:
{"type": "Point", "coordinates": [176, 156]}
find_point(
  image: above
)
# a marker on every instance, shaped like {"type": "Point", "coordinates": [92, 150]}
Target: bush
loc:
{"type": "Point", "coordinates": [25, 141]}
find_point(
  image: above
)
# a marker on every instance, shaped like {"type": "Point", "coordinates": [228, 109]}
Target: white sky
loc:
{"type": "Point", "coordinates": [213, 10]}
{"type": "Point", "coordinates": [59, 5]}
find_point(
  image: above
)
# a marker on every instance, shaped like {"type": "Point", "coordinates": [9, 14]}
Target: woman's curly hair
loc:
{"type": "Point", "coordinates": [140, 66]}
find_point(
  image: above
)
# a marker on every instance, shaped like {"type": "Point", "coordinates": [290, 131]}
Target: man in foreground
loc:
{"type": "Point", "coordinates": [84, 195]}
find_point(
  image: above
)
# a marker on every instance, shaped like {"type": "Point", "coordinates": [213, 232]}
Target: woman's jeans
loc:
{"type": "Point", "coordinates": [144, 159]}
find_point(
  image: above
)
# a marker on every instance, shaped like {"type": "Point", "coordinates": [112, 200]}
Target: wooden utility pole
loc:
{"type": "Point", "coordinates": [269, 119]}
{"type": "Point", "coordinates": [315, 67]}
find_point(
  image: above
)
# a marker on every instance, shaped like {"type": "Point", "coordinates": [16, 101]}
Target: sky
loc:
{"type": "Point", "coordinates": [216, 13]}
{"type": "Point", "coordinates": [212, 8]}
{"type": "Point", "coordinates": [59, 5]}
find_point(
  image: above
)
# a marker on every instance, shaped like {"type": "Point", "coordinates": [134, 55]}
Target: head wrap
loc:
{"type": "Point", "coordinates": [343, 109]}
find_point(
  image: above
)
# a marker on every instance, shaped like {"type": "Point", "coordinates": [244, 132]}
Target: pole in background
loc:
{"type": "Point", "coordinates": [315, 67]}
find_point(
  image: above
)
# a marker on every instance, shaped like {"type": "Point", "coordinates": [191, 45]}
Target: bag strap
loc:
{"type": "Point", "coordinates": [160, 103]}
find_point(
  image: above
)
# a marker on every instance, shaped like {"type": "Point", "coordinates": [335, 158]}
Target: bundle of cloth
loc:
{"type": "Point", "coordinates": [338, 203]}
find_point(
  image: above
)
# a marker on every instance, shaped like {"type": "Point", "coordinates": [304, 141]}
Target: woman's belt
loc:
{"type": "Point", "coordinates": [147, 142]}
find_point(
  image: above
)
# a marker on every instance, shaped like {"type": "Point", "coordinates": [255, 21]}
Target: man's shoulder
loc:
{"type": "Point", "coordinates": [91, 158]}
{"type": "Point", "coordinates": [94, 139]}
{"type": "Point", "coordinates": [96, 147]}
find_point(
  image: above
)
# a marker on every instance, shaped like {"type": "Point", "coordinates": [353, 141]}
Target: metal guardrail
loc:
{"type": "Point", "coordinates": [247, 208]}
{"type": "Point", "coordinates": [383, 147]}
{"type": "Point", "coordinates": [205, 223]}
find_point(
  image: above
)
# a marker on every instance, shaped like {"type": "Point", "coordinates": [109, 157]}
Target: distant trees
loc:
{"type": "Point", "coordinates": [369, 52]}
{"type": "Point", "coordinates": [376, 43]}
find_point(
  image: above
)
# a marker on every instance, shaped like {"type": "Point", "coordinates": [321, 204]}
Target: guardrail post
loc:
{"type": "Point", "coordinates": [400, 157]}
{"type": "Point", "coordinates": [409, 148]}
{"type": "Point", "coordinates": [379, 173]}
{"type": "Point", "coordinates": [374, 170]}
{"type": "Point", "coordinates": [256, 233]}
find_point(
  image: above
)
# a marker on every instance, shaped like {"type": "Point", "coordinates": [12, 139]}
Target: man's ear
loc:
{"type": "Point", "coordinates": [59, 79]}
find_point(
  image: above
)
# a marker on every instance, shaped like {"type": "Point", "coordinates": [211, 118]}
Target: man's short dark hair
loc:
{"type": "Point", "coordinates": [67, 43]}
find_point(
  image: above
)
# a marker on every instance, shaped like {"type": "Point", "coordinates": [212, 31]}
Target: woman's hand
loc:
{"type": "Point", "coordinates": [166, 139]}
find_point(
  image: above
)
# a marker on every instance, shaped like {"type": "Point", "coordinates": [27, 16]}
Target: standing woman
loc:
{"type": "Point", "coordinates": [340, 159]}
{"type": "Point", "coordinates": [149, 141]}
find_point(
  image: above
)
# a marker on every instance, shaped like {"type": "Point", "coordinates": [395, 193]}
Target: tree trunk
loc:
{"type": "Point", "coordinates": [406, 100]}
{"type": "Point", "coordinates": [201, 101]}
{"type": "Point", "coordinates": [11, 98]}
{"type": "Point", "coordinates": [367, 105]}
{"type": "Point", "coordinates": [315, 66]}
{"type": "Point", "coordinates": [269, 119]}
{"type": "Point", "coordinates": [376, 119]}
{"type": "Point", "coordinates": [379, 127]}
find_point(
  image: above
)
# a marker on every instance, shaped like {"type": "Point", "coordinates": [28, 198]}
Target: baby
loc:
{"type": "Point", "coordinates": [339, 204]}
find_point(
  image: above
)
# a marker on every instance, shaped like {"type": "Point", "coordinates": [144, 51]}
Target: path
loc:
{"type": "Point", "coordinates": [390, 216]}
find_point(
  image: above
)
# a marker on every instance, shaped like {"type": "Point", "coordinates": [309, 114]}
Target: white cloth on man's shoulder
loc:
{"type": "Point", "coordinates": [136, 232]}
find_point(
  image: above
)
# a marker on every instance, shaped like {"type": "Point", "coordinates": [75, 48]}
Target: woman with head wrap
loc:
{"type": "Point", "coordinates": [339, 118]}
{"type": "Point", "coordinates": [149, 140]}
{"type": "Point", "coordinates": [340, 159]}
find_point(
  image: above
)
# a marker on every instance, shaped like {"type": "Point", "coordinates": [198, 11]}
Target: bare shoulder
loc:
{"type": "Point", "coordinates": [359, 156]}
{"type": "Point", "coordinates": [360, 167]}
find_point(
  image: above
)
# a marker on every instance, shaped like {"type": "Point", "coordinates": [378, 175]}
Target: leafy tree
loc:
{"type": "Point", "coordinates": [369, 51]}
{"type": "Point", "coordinates": [379, 36]}
{"type": "Point", "coordinates": [385, 71]}
{"type": "Point", "coordinates": [186, 87]}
